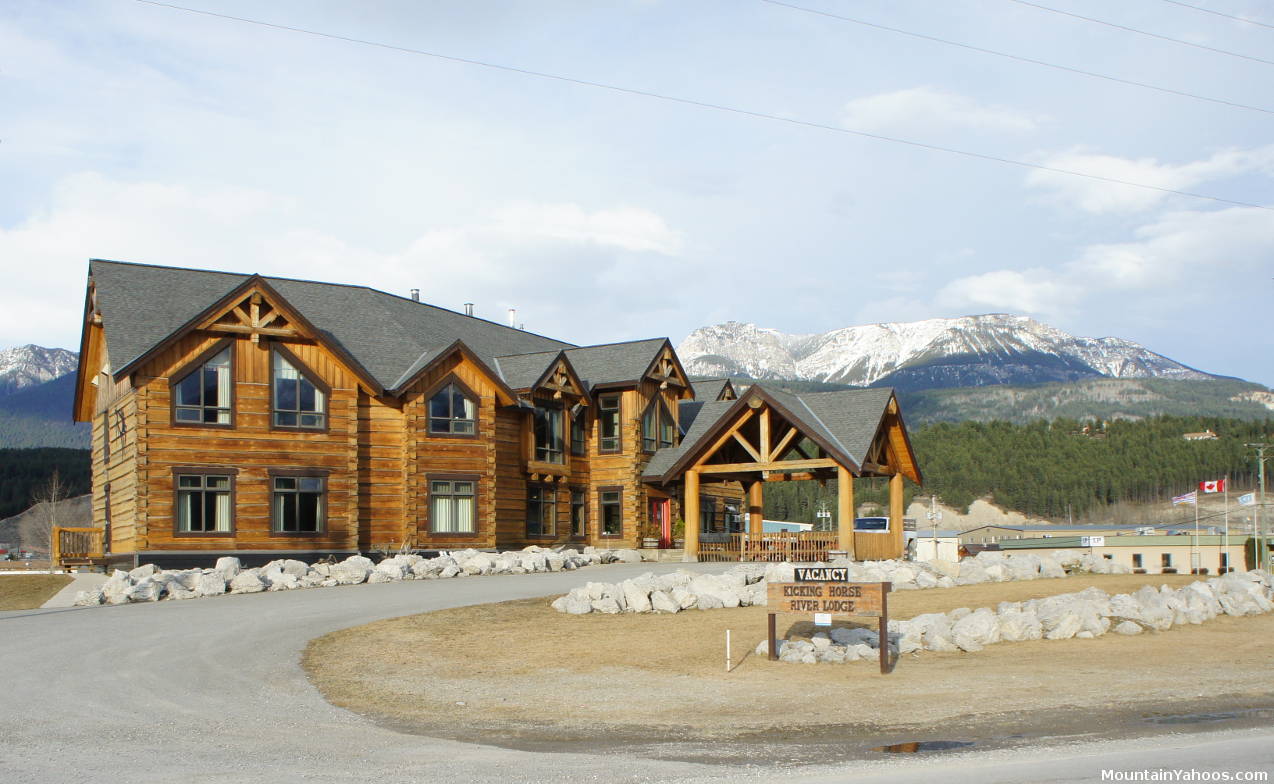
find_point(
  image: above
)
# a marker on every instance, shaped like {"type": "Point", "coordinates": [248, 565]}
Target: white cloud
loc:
{"type": "Point", "coordinates": [1183, 261]}
{"type": "Point", "coordinates": [524, 255]}
{"type": "Point", "coordinates": [1096, 196]}
{"type": "Point", "coordinates": [925, 108]}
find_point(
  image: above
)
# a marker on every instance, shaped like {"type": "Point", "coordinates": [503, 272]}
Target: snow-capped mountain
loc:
{"type": "Point", "coordinates": [967, 351]}
{"type": "Point", "coordinates": [27, 366]}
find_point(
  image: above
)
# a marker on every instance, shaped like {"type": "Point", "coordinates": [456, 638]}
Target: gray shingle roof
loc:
{"type": "Point", "coordinates": [710, 388]}
{"type": "Point", "coordinates": [389, 336]}
{"type": "Point", "coordinates": [694, 418]}
{"type": "Point", "coordinates": [608, 363]}
{"type": "Point", "coordinates": [846, 420]}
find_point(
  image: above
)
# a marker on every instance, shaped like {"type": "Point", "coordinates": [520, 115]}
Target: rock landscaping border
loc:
{"type": "Point", "coordinates": [148, 583]}
{"type": "Point", "coordinates": [1088, 614]}
{"type": "Point", "coordinates": [745, 584]}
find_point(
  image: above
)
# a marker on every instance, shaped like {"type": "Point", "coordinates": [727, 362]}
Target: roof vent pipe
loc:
{"type": "Point", "coordinates": [513, 317]}
{"type": "Point", "coordinates": [468, 308]}
{"type": "Point", "coordinates": [415, 295]}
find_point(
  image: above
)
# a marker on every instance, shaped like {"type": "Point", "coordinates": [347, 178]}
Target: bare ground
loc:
{"type": "Point", "coordinates": [522, 674]}
{"type": "Point", "coordinates": [29, 591]}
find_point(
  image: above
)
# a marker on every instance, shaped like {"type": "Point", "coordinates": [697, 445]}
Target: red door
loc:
{"type": "Point", "coordinates": [661, 519]}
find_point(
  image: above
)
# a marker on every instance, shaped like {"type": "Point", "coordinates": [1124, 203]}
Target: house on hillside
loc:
{"type": "Point", "coordinates": [268, 417]}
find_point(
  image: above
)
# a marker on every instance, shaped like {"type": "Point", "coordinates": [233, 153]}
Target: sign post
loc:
{"type": "Point", "coordinates": [826, 591]}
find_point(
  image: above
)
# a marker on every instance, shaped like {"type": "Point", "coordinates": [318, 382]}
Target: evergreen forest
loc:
{"type": "Point", "coordinates": [24, 471]}
{"type": "Point", "coordinates": [1055, 468]}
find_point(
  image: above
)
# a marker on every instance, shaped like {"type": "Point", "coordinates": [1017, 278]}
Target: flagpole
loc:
{"type": "Point", "coordinates": [1194, 548]}
{"type": "Point", "coordinates": [1225, 546]}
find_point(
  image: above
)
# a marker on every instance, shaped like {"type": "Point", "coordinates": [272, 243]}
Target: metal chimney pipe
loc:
{"type": "Point", "coordinates": [415, 295]}
{"type": "Point", "coordinates": [468, 308]}
{"type": "Point", "coordinates": [513, 317]}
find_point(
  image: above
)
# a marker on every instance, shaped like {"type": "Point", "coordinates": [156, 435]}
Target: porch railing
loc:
{"type": "Point", "coordinates": [77, 545]}
{"type": "Point", "coordinates": [793, 546]}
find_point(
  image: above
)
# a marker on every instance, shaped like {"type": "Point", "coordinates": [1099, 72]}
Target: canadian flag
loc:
{"type": "Point", "coordinates": [1215, 486]}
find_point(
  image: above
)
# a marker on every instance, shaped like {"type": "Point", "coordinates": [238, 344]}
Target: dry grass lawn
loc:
{"type": "Point", "coordinates": [522, 668]}
{"type": "Point", "coordinates": [29, 591]}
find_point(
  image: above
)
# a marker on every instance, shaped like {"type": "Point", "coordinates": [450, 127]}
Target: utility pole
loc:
{"type": "Point", "coordinates": [1262, 561]}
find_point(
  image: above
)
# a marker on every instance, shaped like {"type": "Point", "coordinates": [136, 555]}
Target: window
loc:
{"type": "Point", "coordinates": [1225, 562]}
{"type": "Point", "coordinates": [203, 504]}
{"type": "Point", "coordinates": [612, 511]}
{"type": "Point", "coordinates": [548, 434]}
{"type": "Point", "coordinates": [1165, 560]}
{"type": "Point", "coordinates": [1136, 561]}
{"type": "Point", "coordinates": [541, 510]}
{"type": "Point", "coordinates": [298, 400]}
{"type": "Point", "coordinates": [707, 514]}
{"type": "Point", "coordinates": [298, 503]}
{"type": "Point", "coordinates": [202, 396]}
{"type": "Point", "coordinates": [453, 411]}
{"type": "Point", "coordinates": [579, 513]}
{"type": "Point", "coordinates": [579, 433]}
{"type": "Point", "coordinates": [733, 519]}
{"type": "Point", "coordinates": [608, 430]}
{"type": "Point", "coordinates": [452, 506]}
{"type": "Point", "coordinates": [658, 431]}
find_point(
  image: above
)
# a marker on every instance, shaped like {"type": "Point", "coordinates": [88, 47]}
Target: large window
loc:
{"type": "Point", "coordinates": [610, 501]}
{"type": "Point", "coordinates": [548, 434]}
{"type": "Point", "coordinates": [608, 431]}
{"type": "Point", "coordinates": [298, 504]}
{"type": "Point", "coordinates": [658, 431]}
{"type": "Point", "coordinates": [453, 411]}
{"type": "Point", "coordinates": [579, 513]}
{"type": "Point", "coordinates": [452, 506]}
{"type": "Point", "coordinates": [204, 503]}
{"type": "Point", "coordinates": [733, 519]}
{"type": "Point", "coordinates": [541, 510]}
{"type": "Point", "coordinates": [579, 433]}
{"type": "Point", "coordinates": [298, 399]}
{"type": "Point", "coordinates": [203, 395]}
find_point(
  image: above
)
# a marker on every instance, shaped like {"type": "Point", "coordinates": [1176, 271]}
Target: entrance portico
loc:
{"type": "Point", "coordinates": [769, 435]}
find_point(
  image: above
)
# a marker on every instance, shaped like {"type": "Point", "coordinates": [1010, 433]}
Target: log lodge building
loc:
{"type": "Point", "coordinates": [267, 418]}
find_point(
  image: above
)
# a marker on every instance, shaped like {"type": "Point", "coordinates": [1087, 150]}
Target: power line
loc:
{"type": "Point", "coordinates": [1146, 33]}
{"type": "Point", "coordinates": [1018, 58]}
{"type": "Point", "coordinates": [1218, 13]}
{"type": "Point", "coordinates": [705, 105]}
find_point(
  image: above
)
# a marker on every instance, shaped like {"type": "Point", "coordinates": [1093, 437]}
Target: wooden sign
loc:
{"type": "Point", "coordinates": [828, 598]}
{"type": "Point", "coordinates": [866, 599]}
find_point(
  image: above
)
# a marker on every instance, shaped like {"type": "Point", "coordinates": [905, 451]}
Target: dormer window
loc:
{"type": "Point", "coordinates": [299, 400]}
{"type": "Point", "coordinates": [658, 430]}
{"type": "Point", "coordinates": [453, 411]}
{"type": "Point", "coordinates": [203, 395]}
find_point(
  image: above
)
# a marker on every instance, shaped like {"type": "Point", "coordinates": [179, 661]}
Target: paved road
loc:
{"type": "Point", "coordinates": [211, 690]}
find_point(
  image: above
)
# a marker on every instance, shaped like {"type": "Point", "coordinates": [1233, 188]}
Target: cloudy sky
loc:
{"type": "Point", "coordinates": [143, 133]}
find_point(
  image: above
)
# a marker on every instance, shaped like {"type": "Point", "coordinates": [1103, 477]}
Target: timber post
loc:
{"type": "Point", "coordinates": [845, 511]}
{"type": "Point", "coordinates": [691, 513]}
{"type": "Point", "coordinates": [895, 509]}
{"type": "Point", "coordinates": [756, 507]}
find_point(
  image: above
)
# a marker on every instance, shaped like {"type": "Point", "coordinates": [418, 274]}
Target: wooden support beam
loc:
{"type": "Point", "coordinates": [781, 465]}
{"type": "Point", "coordinates": [239, 329]}
{"type": "Point", "coordinates": [875, 468]}
{"type": "Point", "coordinates": [795, 476]}
{"type": "Point", "coordinates": [756, 507]}
{"type": "Point", "coordinates": [726, 436]}
{"type": "Point", "coordinates": [691, 516]}
{"type": "Point", "coordinates": [845, 511]}
{"type": "Point", "coordinates": [766, 455]}
{"type": "Point", "coordinates": [743, 442]}
{"type": "Point", "coordinates": [777, 452]}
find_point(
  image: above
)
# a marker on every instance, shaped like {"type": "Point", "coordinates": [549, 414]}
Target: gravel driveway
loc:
{"type": "Point", "coordinates": [210, 690]}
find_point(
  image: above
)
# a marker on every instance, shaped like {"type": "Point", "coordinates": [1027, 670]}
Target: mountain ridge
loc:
{"type": "Point", "coordinates": [981, 350]}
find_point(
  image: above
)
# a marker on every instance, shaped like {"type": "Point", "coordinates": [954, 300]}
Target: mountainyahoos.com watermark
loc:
{"type": "Point", "coordinates": [1182, 774]}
